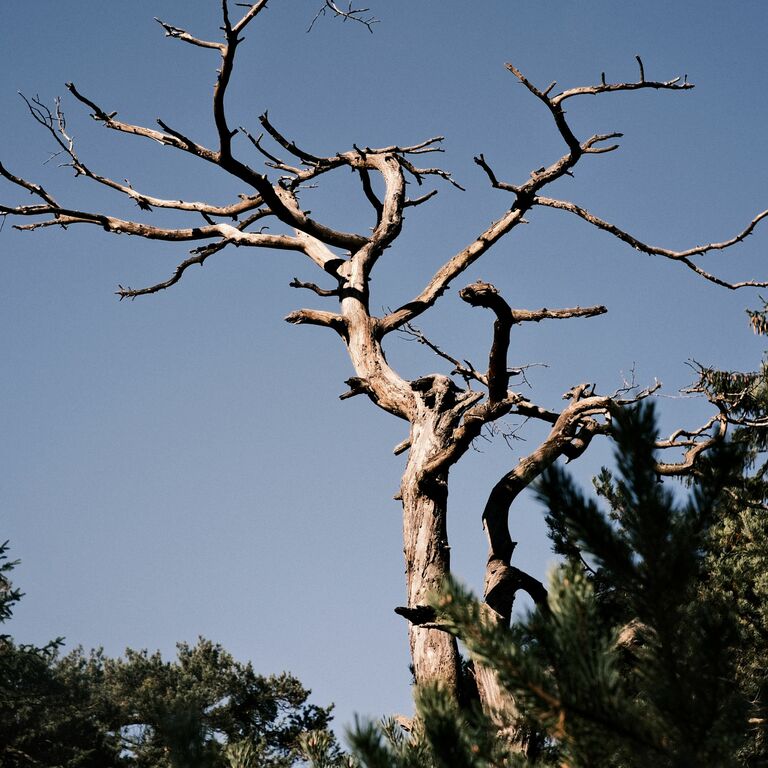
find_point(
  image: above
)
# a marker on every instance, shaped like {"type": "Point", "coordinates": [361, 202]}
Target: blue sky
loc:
{"type": "Point", "coordinates": [180, 465]}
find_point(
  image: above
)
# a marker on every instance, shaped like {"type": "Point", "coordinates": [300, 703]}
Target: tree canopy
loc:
{"type": "Point", "coordinates": [204, 709]}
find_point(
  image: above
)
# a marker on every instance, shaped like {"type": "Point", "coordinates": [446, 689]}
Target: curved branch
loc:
{"type": "Point", "coordinates": [570, 436]}
{"type": "Point", "coordinates": [199, 256]}
{"type": "Point", "coordinates": [481, 294]}
{"type": "Point", "coordinates": [682, 256]}
{"type": "Point", "coordinates": [457, 264]}
{"type": "Point", "coordinates": [351, 14]}
{"type": "Point", "coordinates": [695, 446]}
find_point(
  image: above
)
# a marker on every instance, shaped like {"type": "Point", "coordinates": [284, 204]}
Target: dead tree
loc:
{"type": "Point", "coordinates": [445, 413]}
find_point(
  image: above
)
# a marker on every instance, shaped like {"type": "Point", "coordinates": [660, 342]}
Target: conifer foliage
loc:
{"type": "Point", "coordinates": [202, 710]}
{"type": "Point", "coordinates": [634, 660]}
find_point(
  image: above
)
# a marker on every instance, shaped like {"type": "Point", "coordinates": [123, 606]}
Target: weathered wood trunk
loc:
{"type": "Point", "coordinates": [425, 404]}
{"type": "Point", "coordinates": [434, 653]}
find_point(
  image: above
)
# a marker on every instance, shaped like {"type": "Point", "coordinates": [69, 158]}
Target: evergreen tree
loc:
{"type": "Point", "coordinates": [738, 560]}
{"type": "Point", "coordinates": [635, 659]}
{"type": "Point", "coordinates": [202, 710]}
{"type": "Point", "coordinates": [45, 717]}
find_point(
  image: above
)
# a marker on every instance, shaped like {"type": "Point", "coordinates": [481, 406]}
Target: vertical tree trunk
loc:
{"type": "Point", "coordinates": [434, 653]}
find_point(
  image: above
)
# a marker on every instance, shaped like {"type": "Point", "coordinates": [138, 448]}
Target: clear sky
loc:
{"type": "Point", "coordinates": [180, 465]}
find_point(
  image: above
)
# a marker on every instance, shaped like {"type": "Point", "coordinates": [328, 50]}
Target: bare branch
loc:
{"type": "Point", "coordinates": [285, 210]}
{"type": "Point", "coordinates": [682, 256]}
{"type": "Point", "coordinates": [524, 194]}
{"type": "Point", "coordinates": [351, 14]}
{"type": "Point", "coordinates": [485, 295]}
{"type": "Point", "coordinates": [675, 84]}
{"type": "Point", "coordinates": [495, 183]}
{"type": "Point", "coordinates": [464, 369]}
{"type": "Point", "coordinates": [290, 146]}
{"type": "Point", "coordinates": [317, 317]}
{"type": "Point", "coordinates": [56, 126]}
{"type": "Point", "coordinates": [199, 256]}
{"type": "Point", "coordinates": [481, 294]}
{"type": "Point", "coordinates": [181, 34]}
{"type": "Point", "coordinates": [34, 189]}
{"type": "Point", "coordinates": [296, 283]}
{"type": "Point", "coordinates": [419, 173]}
{"type": "Point", "coordinates": [357, 386]}
{"type": "Point", "coordinates": [253, 10]}
{"type": "Point", "coordinates": [412, 203]}
{"type": "Point", "coordinates": [563, 166]}
{"type": "Point", "coordinates": [169, 139]}
{"type": "Point", "coordinates": [642, 69]}
{"type": "Point", "coordinates": [571, 434]}
{"type": "Point", "coordinates": [588, 147]}
{"type": "Point", "coordinates": [440, 282]}
{"type": "Point", "coordinates": [412, 149]}
{"type": "Point", "coordinates": [695, 446]}
{"type": "Point", "coordinates": [256, 141]}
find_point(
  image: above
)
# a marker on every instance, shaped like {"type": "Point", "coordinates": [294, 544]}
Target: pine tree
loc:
{"type": "Point", "coordinates": [635, 659]}
{"type": "Point", "coordinates": [738, 561]}
{"type": "Point", "coordinates": [201, 710]}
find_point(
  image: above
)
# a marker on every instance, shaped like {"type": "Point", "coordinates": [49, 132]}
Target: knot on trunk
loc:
{"type": "Point", "coordinates": [438, 392]}
{"type": "Point", "coordinates": [357, 386]}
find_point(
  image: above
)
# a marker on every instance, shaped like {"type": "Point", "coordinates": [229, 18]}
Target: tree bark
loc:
{"type": "Point", "coordinates": [428, 404]}
{"type": "Point", "coordinates": [434, 652]}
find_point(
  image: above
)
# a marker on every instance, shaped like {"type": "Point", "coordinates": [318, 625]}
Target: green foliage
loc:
{"type": "Point", "coordinates": [737, 559]}
{"type": "Point", "coordinates": [8, 595]}
{"type": "Point", "coordinates": [201, 710]}
{"type": "Point", "coordinates": [636, 659]}
{"type": "Point", "coordinates": [185, 712]}
{"type": "Point", "coordinates": [321, 750]}
{"type": "Point", "coordinates": [443, 736]}
{"type": "Point", "coordinates": [45, 718]}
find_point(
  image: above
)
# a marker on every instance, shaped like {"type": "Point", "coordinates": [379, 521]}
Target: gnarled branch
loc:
{"type": "Point", "coordinates": [683, 256]}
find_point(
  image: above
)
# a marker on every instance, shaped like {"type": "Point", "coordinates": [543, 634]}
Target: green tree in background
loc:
{"type": "Point", "coordinates": [46, 718]}
{"type": "Point", "coordinates": [187, 712]}
{"type": "Point", "coordinates": [201, 710]}
{"type": "Point", "coordinates": [738, 560]}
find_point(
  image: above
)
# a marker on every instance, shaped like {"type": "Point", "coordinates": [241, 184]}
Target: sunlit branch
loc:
{"type": "Point", "coordinates": [317, 317]}
{"type": "Point", "coordinates": [457, 264]}
{"type": "Point", "coordinates": [57, 127]}
{"type": "Point", "coordinates": [350, 14]}
{"type": "Point", "coordinates": [199, 256]}
{"type": "Point", "coordinates": [182, 34]}
{"type": "Point", "coordinates": [696, 443]}
{"type": "Point", "coordinates": [682, 256]}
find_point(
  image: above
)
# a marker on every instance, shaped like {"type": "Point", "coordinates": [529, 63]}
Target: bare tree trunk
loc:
{"type": "Point", "coordinates": [434, 652]}
{"type": "Point", "coordinates": [427, 404]}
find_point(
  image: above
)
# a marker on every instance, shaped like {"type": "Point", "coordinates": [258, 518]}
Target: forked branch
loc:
{"type": "Point", "coordinates": [485, 295]}
{"type": "Point", "coordinates": [696, 442]}
{"type": "Point", "coordinates": [360, 15]}
{"type": "Point", "coordinates": [683, 256]}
